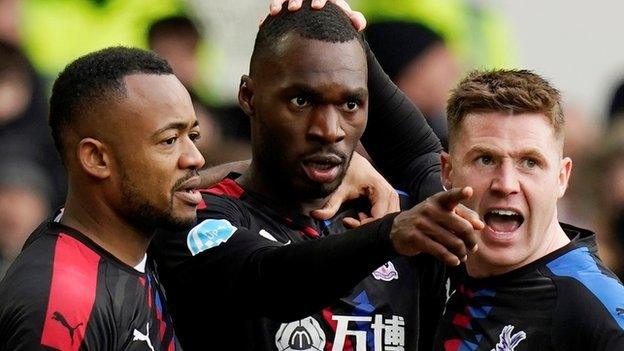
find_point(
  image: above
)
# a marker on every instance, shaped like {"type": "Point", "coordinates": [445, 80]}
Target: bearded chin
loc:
{"type": "Point", "coordinates": [146, 217]}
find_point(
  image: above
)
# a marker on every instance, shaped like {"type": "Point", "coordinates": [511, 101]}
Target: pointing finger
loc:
{"type": "Point", "coordinates": [451, 198]}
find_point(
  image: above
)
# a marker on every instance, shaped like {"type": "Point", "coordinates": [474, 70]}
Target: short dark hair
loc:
{"type": "Point", "coordinates": [95, 78]}
{"type": "Point", "coordinates": [329, 24]}
{"type": "Point", "coordinates": [504, 90]}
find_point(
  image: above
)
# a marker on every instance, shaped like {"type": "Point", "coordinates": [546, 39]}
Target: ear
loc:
{"type": "Point", "coordinates": [564, 175]}
{"type": "Point", "coordinates": [245, 95]}
{"type": "Point", "coordinates": [447, 170]}
{"type": "Point", "coordinates": [93, 156]}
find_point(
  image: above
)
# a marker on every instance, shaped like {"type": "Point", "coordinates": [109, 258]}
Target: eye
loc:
{"type": "Point", "coordinates": [350, 106]}
{"type": "Point", "coordinates": [170, 141]}
{"type": "Point", "coordinates": [299, 101]}
{"type": "Point", "coordinates": [529, 163]}
{"type": "Point", "coordinates": [194, 136]}
{"type": "Point", "coordinates": [485, 160]}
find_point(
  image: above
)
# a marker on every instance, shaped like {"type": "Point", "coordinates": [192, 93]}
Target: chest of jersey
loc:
{"type": "Point", "coordinates": [512, 317]}
{"type": "Point", "coordinates": [380, 313]}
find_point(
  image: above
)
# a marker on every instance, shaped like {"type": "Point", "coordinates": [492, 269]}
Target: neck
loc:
{"type": "Point", "coordinates": [254, 180]}
{"type": "Point", "coordinates": [479, 267]}
{"type": "Point", "coordinates": [94, 218]}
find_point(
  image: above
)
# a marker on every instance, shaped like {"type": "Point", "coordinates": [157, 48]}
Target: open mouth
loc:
{"type": "Point", "coordinates": [188, 192]}
{"type": "Point", "coordinates": [503, 220]}
{"type": "Point", "coordinates": [322, 168]}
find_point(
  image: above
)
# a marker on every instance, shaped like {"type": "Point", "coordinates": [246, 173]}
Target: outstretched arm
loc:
{"type": "Point", "coordinates": [248, 267]}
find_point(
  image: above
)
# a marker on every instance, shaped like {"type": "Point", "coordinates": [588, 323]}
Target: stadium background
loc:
{"type": "Point", "coordinates": [574, 44]}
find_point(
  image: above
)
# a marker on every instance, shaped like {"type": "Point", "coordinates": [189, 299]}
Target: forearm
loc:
{"type": "Point", "coordinates": [213, 175]}
{"type": "Point", "coordinates": [300, 279]}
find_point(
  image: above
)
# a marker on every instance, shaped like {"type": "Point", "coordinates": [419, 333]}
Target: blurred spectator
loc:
{"type": "Point", "coordinates": [473, 29]}
{"type": "Point", "coordinates": [31, 176]}
{"type": "Point", "coordinates": [608, 187]}
{"type": "Point", "coordinates": [24, 131]}
{"type": "Point", "coordinates": [9, 23]}
{"type": "Point", "coordinates": [582, 135]}
{"type": "Point", "coordinates": [24, 193]}
{"type": "Point", "coordinates": [616, 107]}
{"type": "Point", "coordinates": [420, 63]}
{"type": "Point", "coordinates": [177, 38]}
{"type": "Point", "coordinates": [53, 33]}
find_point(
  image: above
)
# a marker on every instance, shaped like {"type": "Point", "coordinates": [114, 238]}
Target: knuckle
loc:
{"type": "Point", "coordinates": [457, 246]}
{"type": "Point", "coordinates": [420, 223]}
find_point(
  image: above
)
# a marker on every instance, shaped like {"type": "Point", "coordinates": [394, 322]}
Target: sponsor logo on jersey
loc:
{"type": "Point", "coordinates": [387, 272]}
{"type": "Point", "coordinates": [620, 311]}
{"type": "Point", "coordinates": [208, 234]}
{"type": "Point", "coordinates": [304, 334]}
{"type": "Point", "coordinates": [138, 336]}
{"type": "Point", "coordinates": [507, 341]}
{"type": "Point", "coordinates": [57, 316]}
{"type": "Point", "coordinates": [375, 333]}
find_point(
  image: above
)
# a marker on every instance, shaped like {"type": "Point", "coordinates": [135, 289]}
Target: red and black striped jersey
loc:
{"type": "Point", "coordinates": [64, 292]}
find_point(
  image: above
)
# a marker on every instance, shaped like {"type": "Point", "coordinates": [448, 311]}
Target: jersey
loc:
{"type": "Point", "coordinates": [234, 272]}
{"type": "Point", "coordinates": [64, 292]}
{"type": "Point", "coordinates": [566, 300]}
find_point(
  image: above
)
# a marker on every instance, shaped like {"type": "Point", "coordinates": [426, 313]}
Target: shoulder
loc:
{"type": "Point", "coordinates": [590, 299]}
{"type": "Point", "coordinates": [57, 258]}
{"type": "Point", "coordinates": [52, 284]}
{"type": "Point", "coordinates": [588, 278]}
{"type": "Point", "coordinates": [223, 200]}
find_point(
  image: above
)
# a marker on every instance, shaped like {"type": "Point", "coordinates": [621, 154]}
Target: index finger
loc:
{"type": "Point", "coordinates": [451, 198]}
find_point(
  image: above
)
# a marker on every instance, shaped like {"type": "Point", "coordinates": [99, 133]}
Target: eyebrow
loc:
{"type": "Point", "coordinates": [348, 94]}
{"type": "Point", "coordinates": [175, 125]}
{"type": "Point", "coordinates": [357, 94]}
{"type": "Point", "coordinates": [532, 152]}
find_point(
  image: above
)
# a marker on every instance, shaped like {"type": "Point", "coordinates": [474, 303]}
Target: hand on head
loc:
{"type": "Point", "coordinates": [357, 18]}
{"type": "Point", "coordinates": [439, 226]}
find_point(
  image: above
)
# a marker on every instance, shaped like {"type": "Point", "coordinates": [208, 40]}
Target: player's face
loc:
{"type": "Point", "coordinates": [515, 166]}
{"type": "Point", "coordinates": [310, 112]}
{"type": "Point", "coordinates": [155, 151]}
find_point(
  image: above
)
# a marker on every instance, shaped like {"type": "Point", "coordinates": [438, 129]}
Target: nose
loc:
{"type": "Point", "coordinates": [505, 181]}
{"type": "Point", "coordinates": [190, 158]}
{"type": "Point", "coordinates": [325, 125]}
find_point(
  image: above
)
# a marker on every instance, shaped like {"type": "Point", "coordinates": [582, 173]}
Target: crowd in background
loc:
{"type": "Point", "coordinates": [424, 54]}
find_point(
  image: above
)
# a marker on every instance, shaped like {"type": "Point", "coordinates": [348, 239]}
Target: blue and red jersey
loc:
{"type": "Point", "coordinates": [566, 300]}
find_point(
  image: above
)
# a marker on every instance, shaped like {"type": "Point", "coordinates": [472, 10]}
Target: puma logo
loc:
{"type": "Point", "coordinates": [620, 311]}
{"type": "Point", "coordinates": [138, 336]}
{"type": "Point", "coordinates": [57, 316]}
